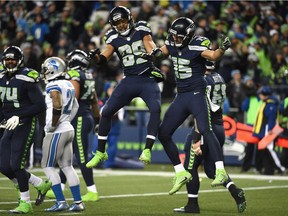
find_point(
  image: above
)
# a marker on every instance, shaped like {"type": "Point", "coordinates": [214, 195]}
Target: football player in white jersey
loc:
{"type": "Point", "coordinates": [62, 106]}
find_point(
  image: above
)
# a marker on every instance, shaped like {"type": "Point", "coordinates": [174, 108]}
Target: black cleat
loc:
{"type": "Point", "coordinates": [239, 197]}
{"type": "Point", "coordinates": [194, 208]}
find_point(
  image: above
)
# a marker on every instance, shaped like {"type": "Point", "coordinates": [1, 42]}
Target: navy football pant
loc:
{"type": "Point", "coordinates": [131, 87]}
{"type": "Point", "coordinates": [14, 148]}
{"type": "Point", "coordinates": [184, 104]}
{"type": "Point", "coordinates": [206, 157]}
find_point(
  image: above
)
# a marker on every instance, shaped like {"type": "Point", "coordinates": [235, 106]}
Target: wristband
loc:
{"type": "Point", "coordinates": [102, 60]}
{"type": "Point", "coordinates": [56, 111]}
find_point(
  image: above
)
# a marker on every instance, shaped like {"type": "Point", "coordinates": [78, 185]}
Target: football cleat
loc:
{"type": "Point", "coordinates": [50, 194]}
{"type": "Point", "coordinates": [194, 208]}
{"type": "Point", "coordinates": [58, 206]}
{"type": "Point", "coordinates": [90, 196]}
{"type": "Point", "coordinates": [220, 178]}
{"type": "Point", "coordinates": [76, 207]}
{"type": "Point", "coordinates": [239, 197]}
{"type": "Point", "coordinates": [179, 180]}
{"type": "Point", "coordinates": [42, 190]}
{"type": "Point", "coordinates": [98, 157]}
{"type": "Point", "coordinates": [145, 156]}
{"type": "Point", "coordinates": [23, 208]}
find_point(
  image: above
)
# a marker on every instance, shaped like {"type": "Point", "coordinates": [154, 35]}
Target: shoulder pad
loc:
{"type": "Point", "coordinates": [28, 75]}
{"type": "Point", "coordinates": [73, 73]}
{"type": "Point", "coordinates": [142, 25]}
{"type": "Point", "coordinates": [201, 41]}
{"type": "Point", "coordinates": [110, 35]}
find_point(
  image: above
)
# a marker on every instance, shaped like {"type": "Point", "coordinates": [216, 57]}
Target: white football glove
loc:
{"type": "Point", "coordinates": [12, 123]}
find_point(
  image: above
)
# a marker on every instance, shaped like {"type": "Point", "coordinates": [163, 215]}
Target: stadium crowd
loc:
{"type": "Point", "coordinates": [258, 31]}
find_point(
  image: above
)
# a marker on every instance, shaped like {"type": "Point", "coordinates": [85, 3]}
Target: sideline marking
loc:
{"type": "Point", "coordinates": [104, 173]}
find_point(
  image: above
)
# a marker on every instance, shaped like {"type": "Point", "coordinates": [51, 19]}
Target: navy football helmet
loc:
{"type": "Point", "coordinates": [77, 59]}
{"type": "Point", "coordinates": [118, 14]}
{"type": "Point", "coordinates": [15, 53]}
{"type": "Point", "coordinates": [182, 30]}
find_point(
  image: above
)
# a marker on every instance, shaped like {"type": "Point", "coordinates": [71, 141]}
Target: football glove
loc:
{"type": "Point", "coordinates": [157, 53]}
{"type": "Point", "coordinates": [93, 53]}
{"type": "Point", "coordinates": [158, 75]}
{"type": "Point", "coordinates": [225, 43]}
{"type": "Point", "coordinates": [12, 123]}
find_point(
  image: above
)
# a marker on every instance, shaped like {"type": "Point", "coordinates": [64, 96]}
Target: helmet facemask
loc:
{"type": "Point", "coordinates": [12, 53]}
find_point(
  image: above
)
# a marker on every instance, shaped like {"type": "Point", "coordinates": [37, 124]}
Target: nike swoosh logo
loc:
{"type": "Point", "coordinates": [184, 180]}
{"type": "Point", "coordinates": [195, 93]}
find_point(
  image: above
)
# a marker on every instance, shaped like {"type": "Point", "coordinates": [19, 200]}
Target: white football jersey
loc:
{"type": "Point", "coordinates": [66, 89]}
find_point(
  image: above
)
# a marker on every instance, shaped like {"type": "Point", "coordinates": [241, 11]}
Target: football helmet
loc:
{"type": "Point", "coordinates": [182, 30]}
{"type": "Point", "coordinates": [53, 68]}
{"type": "Point", "coordinates": [77, 59]}
{"type": "Point", "coordinates": [15, 53]}
{"type": "Point", "coordinates": [121, 20]}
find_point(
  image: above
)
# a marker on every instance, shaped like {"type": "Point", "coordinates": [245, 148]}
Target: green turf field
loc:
{"type": "Point", "coordinates": [145, 192]}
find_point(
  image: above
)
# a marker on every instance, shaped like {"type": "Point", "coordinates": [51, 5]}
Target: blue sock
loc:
{"type": "Point", "coordinates": [75, 190]}
{"type": "Point", "coordinates": [58, 192]}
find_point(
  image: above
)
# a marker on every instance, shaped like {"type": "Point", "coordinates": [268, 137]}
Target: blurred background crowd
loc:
{"type": "Point", "coordinates": [258, 31]}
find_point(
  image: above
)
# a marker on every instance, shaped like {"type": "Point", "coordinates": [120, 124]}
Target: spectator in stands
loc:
{"type": "Point", "coordinates": [236, 93]}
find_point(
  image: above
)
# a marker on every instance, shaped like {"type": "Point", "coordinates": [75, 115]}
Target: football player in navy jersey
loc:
{"type": "Point", "coordinates": [130, 41]}
{"type": "Point", "coordinates": [216, 94]}
{"type": "Point", "coordinates": [189, 53]}
{"type": "Point", "coordinates": [21, 101]}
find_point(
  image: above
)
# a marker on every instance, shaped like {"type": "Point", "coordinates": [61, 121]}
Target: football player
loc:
{"type": "Point", "coordinates": [21, 101]}
{"type": "Point", "coordinates": [85, 120]}
{"type": "Point", "coordinates": [57, 146]}
{"type": "Point", "coordinates": [216, 94]}
{"type": "Point", "coordinates": [130, 41]}
{"type": "Point", "coordinates": [189, 53]}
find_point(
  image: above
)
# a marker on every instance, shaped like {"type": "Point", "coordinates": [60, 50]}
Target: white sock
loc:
{"type": "Point", "coordinates": [62, 186]}
{"type": "Point", "coordinates": [92, 188]}
{"type": "Point", "coordinates": [25, 196]}
{"type": "Point", "coordinates": [229, 184]}
{"type": "Point", "coordinates": [179, 168]}
{"type": "Point", "coordinates": [35, 180]}
{"type": "Point", "coordinates": [219, 165]}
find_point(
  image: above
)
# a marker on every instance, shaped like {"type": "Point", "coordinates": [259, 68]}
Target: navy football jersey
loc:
{"type": "Point", "coordinates": [217, 94]}
{"type": "Point", "coordinates": [87, 88]}
{"type": "Point", "coordinates": [189, 65]}
{"type": "Point", "coordinates": [129, 48]}
{"type": "Point", "coordinates": [20, 95]}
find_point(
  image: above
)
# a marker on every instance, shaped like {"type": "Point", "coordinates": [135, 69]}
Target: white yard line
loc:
{"type": "Point", "coordinates": [101, 173]}
{"type": "Point", "coordinates": [166, 193]}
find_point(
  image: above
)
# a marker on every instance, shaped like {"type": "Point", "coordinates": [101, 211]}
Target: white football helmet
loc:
{"type": "Point", "coordinates": [53, 68]}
